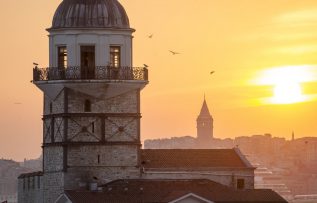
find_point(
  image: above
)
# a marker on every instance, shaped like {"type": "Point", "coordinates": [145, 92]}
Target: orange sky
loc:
{"type": "Point", "coordinates": [236, 38]}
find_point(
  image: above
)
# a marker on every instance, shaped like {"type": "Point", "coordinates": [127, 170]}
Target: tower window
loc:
{"type": "Point", "coordinates": [93, 127]}
{"type": "Point", "coordinates": [33, 182]}
{"type": "Point", "coordinates": [115, 56]}
{"type": "Point", "coordinates": [51, 107]}
{"type": "Point", "coordinates": [62, 57]}
{"type": "Point", "coordinates": [240, 184]}
{"type": "Point", "coordinates": [29, 183]}
{"type": "Point", "coordinates": [24, 184]}
{"type": "Point", "coordinates": [87, 106]}
{"type": "Point", "coordinates": [98, 159]}
{"type": "Point", "coordinates": [38, 182]}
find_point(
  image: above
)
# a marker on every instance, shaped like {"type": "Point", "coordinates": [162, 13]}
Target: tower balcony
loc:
{"type": "Point", "coordinates": [90, 73]}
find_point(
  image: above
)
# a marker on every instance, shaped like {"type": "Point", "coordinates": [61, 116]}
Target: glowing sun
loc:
{"type": "Point", "coordinates": [286, 82]}
{"type": "Point", "coordinates": [287, 93]}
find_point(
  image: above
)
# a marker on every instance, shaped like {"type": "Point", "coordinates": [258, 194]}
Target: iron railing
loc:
{"type": "Point", "coordinates": [94, 73]}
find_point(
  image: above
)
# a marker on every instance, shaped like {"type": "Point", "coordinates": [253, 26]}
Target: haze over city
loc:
{"type": "Point", "coordinates": [262, 52]}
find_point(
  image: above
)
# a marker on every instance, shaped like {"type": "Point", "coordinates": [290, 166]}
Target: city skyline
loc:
{"type": "Point", "coordinates": [242, 42]}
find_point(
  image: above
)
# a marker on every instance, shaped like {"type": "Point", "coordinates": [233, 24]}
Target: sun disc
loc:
{"type": "Point", "coordinates": [286, 83]}
{"type": "Point", "coordinates": [287, 93]}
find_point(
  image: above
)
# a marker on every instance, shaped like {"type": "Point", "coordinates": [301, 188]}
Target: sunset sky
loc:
{"type": "Point", "coordinates": [263, 52]}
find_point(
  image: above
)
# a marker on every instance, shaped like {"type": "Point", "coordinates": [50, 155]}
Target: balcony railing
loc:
{"type": "Point", "coordinates": [90, 73]}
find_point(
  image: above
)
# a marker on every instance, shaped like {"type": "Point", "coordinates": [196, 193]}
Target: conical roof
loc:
{"type": "Point", "coordinates": [204, 112]}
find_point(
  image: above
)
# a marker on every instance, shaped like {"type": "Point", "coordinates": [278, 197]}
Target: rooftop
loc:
{"type": "Point", "coordinates": [139, 190]}
{"type": "Point", "coordinates": [193, 158]}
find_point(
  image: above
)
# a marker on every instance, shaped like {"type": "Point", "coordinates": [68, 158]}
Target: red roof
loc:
{"type": "Point", "coordinates": [168, 190]}
{"type": "Point", "coordinates": [192, 158]}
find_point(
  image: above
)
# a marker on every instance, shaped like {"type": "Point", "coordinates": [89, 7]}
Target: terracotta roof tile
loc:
{"type": "Point", "coordinates": [168, 190]}
{"type": "Point", "coordinates": [191, 158]}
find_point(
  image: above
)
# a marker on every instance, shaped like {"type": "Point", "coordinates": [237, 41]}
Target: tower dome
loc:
{"type": "Point", "coordinates": [90, 14]}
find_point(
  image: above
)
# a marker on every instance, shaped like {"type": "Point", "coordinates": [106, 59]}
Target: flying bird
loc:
{"type": "Point", "coordinates": [174, 52]}
{"type": "Point", "coordinates": [36, 64]}
{"type": "Point", "coordinates": [145, 66]}
{"type": "Point", "coordinates": [212, 72]}
{"type": "Point", "coordinates": [17, 103]}
{"type": "Point", "coordinates": [150, 36]}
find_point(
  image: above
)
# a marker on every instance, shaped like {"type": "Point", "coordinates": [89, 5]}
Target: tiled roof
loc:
{"type": "Point", "coordinates": [168, 190]}
{"type": "Point", "coordinates": [192, 158]}
{"type": "Point", "coordinates": [25, 175]}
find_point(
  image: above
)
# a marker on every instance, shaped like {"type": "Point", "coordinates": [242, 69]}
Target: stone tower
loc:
{"type": "Point", "coordinates": [91, 118]}
{"type": "Point", "coordinates": [204, 126]}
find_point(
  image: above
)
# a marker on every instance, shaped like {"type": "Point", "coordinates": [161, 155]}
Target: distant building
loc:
{"type": "Point", "coordinates": [204, 127]}
{"type": "Point", "coordinates": [91, 125]}
{"type": "Point", "coordinates": [204, 139]}
{"type": "Point", "coordinates": [34, 164]}
{"type": "Point", "coordinates": [9, 171]}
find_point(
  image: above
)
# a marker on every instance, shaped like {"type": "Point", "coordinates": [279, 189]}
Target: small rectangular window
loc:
{"type": "Point", "coordinates": [33, 182]}
{"type": "Point", "coordinates": [62, 56]}
{"type": "Point", "coordinates": [240, 183]}
{"type": "Point", "coordinates": [29, 183]}
{"type": "Point", "coordinates": [93, 127]}
{"type": "Point", "coordinates": [115, 56]}
{"type": "Point", "coordinates": [38, 182]}
{"type": "Point", "coordinates": [87, 106]}
{"type": "Point", "coordinates": [24, 184]}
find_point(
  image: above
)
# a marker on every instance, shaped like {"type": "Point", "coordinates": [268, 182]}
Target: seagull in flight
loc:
{"type": "Point", "coordinates": [17, 103]}
{"type": "Point", "coordinates": [173, 52]}
{"type": "Point", "coordinates": [36, 64]}
{"type": "Point", "coordinates": [145, 66]}
{"type": "Point", "coordinates": [150, 36]}
{"type": "Point", "coordinates": [212, 72]}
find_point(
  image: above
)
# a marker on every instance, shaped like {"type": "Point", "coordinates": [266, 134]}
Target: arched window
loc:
{"type": "Point", "coordinates": [87, 107]}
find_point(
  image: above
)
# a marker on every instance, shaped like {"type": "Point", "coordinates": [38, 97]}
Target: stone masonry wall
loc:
{"type": "Point", "coordinates": [124, 103]}
{"type": "Point", "coordinates": [102, 156]}
{"type": "Point", "coordinates": [57, 104]}
{"type": "Point", "coordinates": [87, 162]}
{"type": "Point", "coordinates": [53, 159]}
{"type": "Point", "coordinates": [225, 177]}
{"type": "Point", "coordinates": [53, 186]}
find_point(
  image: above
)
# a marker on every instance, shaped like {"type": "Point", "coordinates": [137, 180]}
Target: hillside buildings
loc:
{"type": "Point", "coordinates": [286, 166]}
{"type": "Point", "coordinates": [9, 171]}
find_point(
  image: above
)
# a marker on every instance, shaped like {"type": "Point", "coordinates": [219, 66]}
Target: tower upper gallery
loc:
{"type": "Point", "coordinates": [90, 40]}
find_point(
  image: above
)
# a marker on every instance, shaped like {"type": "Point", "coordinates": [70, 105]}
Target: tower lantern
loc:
{"type": "Point", "coordinates": [91, 119]}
